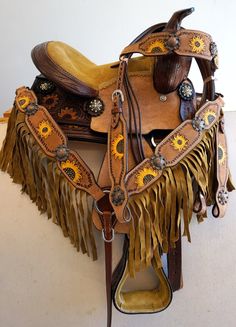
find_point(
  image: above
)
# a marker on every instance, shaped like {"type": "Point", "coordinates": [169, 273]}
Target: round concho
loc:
{"type": "Point", "coordinates": [179, 142]}
{"type": "Point", "coordinates": [62, 152]}
{"type": "Point", "coordinates": [158, 162]}
{"type": "Point", "coordinates": [45, 129]}
{"type": "Point", "coordinates": [45, 86]}
{"type": "Point", "coordinates": [94, 107]}
{"type": "Point", "coordinates": [31, 109]}
{"type": "Point", "coordinates": [117, 196]}
{"type": "Point", "coordinates": [71, 170]}
{"type": "Point", "coordinates": [145, 176]}
{"type": "Point", "coordinates": [186, 91]}
{"type": "Point", "coordinates": [117, 147]}
{"type": "Point", "coordinates": [223, 197]}
{"type": "Point", "coordinates": [198, 124]}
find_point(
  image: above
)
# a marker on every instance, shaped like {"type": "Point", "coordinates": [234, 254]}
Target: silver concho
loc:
{"type": "Point", "coordinates": [46, 87]}
{"type": "Point", "coordinates": [186, 91]}
{"type": "Point", "coordinates": [31, 109]}
{"type": "Point", "coordinates": [62, 153]}
{"type": "Point", "coordinates": [198, 124]}
{"type": "Point", "coordinates": [117, 196]}
{"type": "Point", "coordinates": [223, 196]}
{"type": "Point", "coordinates": [158, 161]}
{"type": "Point", "coordinates": [95, 107]}
{"type": "Point", "coordinates": [213, 49]}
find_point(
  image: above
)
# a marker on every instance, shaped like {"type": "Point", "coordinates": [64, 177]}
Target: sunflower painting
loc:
{"type": "Point", "coordinates": [179, 142]}
{"type": "Point", "coordinates": [197, 44]}
{"type": "Point", "coordinates": [145, 176]}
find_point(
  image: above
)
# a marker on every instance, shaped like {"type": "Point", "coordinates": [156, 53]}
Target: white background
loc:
{"type": "Point", "coordinates": [43, 280]}
{"type": "Point", "coordinates": [100, 30]}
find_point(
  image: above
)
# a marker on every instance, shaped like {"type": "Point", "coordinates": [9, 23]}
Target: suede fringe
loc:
{"type": "Point", "coordinates": [41, 179]}
{"type": "Point", "coordinates": [158, 210]}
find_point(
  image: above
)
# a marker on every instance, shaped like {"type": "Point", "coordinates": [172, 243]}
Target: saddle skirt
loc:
{"type": "Point", "coordinates": [166, 152]}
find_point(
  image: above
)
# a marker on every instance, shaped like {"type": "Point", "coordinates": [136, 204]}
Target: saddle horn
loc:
{"type": "Point", "coordinates": [170, 70]}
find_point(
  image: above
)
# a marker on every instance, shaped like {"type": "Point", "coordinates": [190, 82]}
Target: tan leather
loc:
{"type": "Point", "coordinates": [155, 44]}
{"type": "Point", "coordinates": [49, 136]}
{"type": "Point", "coordinates": [166, 149]}
{"type": "Point", "coordinates": [156, 114]}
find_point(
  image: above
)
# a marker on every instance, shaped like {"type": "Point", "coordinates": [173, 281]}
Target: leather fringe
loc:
{"type": "Point", "coordinates": [41, 179]}
{"type": "Point", "coordinates": [158, 210]}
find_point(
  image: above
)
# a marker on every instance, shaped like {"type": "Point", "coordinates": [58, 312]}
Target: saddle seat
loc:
{"type": "Point", "coordinates": [74, 72]}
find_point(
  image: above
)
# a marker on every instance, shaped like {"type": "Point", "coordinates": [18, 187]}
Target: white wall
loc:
{"type": "Point", "coordinates": [100, 29]}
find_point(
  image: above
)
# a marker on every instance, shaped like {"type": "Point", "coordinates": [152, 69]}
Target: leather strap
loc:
{"type": "Point", "coordinates": [190, 43]}
{"type": "Point", "coordinates": [108, 237]}
{"type": "Point", "coordinates": [174, 261]}
{"type": "Point", "coordinates": [166, 152]}
{"type": "Point", "coordinates": [54, 143]}
{"type": "Point", "coordinates": [118, 166]}
{"type": "Point", "coordinates": [222, 172]}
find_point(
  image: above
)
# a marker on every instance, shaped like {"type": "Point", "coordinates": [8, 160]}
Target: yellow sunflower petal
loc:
{"type": "Point", "coordinates": [197, 44]}
{"type": "Point", "coordinates": [145, 176]}
{"type": "Point", "coordinates": [45, 129]}
{"type": "Point", "coordinates": [71, 170]}
{"type": "Point", "coordinates": [179, 142]}
{"type": "Point", "coordinates": [117, 147]}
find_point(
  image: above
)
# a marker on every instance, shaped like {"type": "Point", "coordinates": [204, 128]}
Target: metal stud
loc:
{"type": "Point", "coordinates": [95, 107]}
{"type": "Point", "coordinates": [31, 109]}
{"type": "Point", "coordinates": [163, 98]}
{"type": "Point", "coordinates": [198, 124]}
{"type": "Point", "coordinates": [158, 161]}
{"type": "Point", "coordinates": [186, 91]}
{"type": "Point", "coordinates": [46, 87]}
{"type": "Point", "coordinates": [62, 152]}
{"type": "Point", "coordinates": [213, 49]}
{"type": "Point", "coordinates": [223, 197]}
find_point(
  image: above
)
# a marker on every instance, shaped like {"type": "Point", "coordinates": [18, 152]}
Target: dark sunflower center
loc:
{"type": "Point", "coordinates": [120, 146]}
{"type": "Point", "coordinates": [70, 172]}
{"type": "Point", "coordinates": [147, 178]}
{"type": "Point", "coordinates": [44, 130]}
{"type": "Point", "coordinates": [210, 119]}
{"type": "Point", "coordinates": [197, 44]}
{"type": "Point", "coordinates": [220, 153]}
{"type": "Point", "coordinates": [179, 142]}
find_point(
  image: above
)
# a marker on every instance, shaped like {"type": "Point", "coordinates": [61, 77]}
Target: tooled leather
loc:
{"type": "Point", "coordinates": [222, 171]}
{"type": "Point", "coordinates": [184, 48]}
{"type": "Point", "coordinates": [56, 138]}
{"type": "Point", "coordinates": [156, 114]}
{"type": "Point", "coordinates": [166, 149]}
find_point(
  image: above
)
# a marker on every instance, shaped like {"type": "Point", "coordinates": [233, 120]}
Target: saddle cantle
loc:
{"type": "Point", "coordinates": [166, 152]}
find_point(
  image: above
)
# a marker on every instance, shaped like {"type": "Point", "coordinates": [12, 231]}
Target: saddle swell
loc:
{"type": "Point", "coordinates": [166, 152]}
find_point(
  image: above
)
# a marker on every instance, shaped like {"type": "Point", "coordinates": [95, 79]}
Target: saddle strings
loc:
{"type": "Point", "coordinates": [136, 139]}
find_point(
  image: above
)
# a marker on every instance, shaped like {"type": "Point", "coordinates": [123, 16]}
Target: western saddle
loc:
{"type": "Point", "coordinates": [166, 152]}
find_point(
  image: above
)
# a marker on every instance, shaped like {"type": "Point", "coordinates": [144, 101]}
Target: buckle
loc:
{"type": "Point", "coordinates": [118, 93]}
